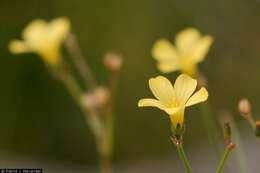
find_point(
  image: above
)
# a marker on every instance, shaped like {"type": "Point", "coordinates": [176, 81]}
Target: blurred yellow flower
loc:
{"type": "Point", "coordinates": [174, 99]}
{"type": "Point", "coordinates": [190, 49]}
{"type": "Point", "coordinates": [44, 39]}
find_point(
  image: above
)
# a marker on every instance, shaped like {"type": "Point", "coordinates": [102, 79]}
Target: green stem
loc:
{"type": "Point", "coordinates": [223, 160]}
{"type": "Point", "coordinates": [251, 121]}
{"type": "Point", "coordinates": [110, 118]}
{"type": "Point", "coordinates": [240, 152]}
{"type": "Point", "coordinates": [109, 125]}
{"type": "Point", "coordinates": [104, 153]}
{"type": "Point", "coordinates": [72, 87]}
{"type": "Point", "coordinates": [103, 133]}
{"type": "Point", "coordinates": [79, 60]}
{"type": "Point", "coordinates": [183, 158]}
{"type": "Point", "coordinates": [105, 146]}
{"type": "Point", "coordinates": [91, 119]}
{"type": "Point", "coordinates": [76, 93]}
{"type": "Point", "coordinates": [210, 126]}
{"type": "Point", "coordinates": [106, 166]}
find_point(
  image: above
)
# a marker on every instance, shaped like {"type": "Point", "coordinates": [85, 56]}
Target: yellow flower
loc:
{"type": "Point", "coordinates": [190, 49]}
{"type": "Point", "coordinates": [44, 39]}
{"type": "Point", "coordinates": [174, 99]}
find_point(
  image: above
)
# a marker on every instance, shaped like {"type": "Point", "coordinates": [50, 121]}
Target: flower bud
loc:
{"type": "Point", "coordinates": [244, 107]}
{"type": "Point", "coordinates": [102, 96]}
{"type": "Point", "coordinates": [257, 128]}
{"type": "Point", "coordinates": [227, 133]}
{"type": "Point", "coordinates": [113, 61]}
{"type": "Point", "coordinates": [97, 99]}
{"type": "Point", "coordinates": [231, 146]}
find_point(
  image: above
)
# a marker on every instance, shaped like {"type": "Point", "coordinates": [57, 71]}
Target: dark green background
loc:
{"type": "Point", "coordinates": [39, 119]}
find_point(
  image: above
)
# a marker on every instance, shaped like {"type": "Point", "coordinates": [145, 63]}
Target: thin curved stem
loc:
{"type": "Point", "coordinates": [240, 152]}
{"type": "Point", "coordinates": [251, 121]}
{"type": "Point", "coordinates": [226, 153]}
{"type": "Point", "coordinates": [105, 155]}
{"type": "Point", "coordinates": [183, 158]}
{"type": "Point", "coordinates": [80, 62]}
{"type": "Point", "coordinates": [210, 126]}
{"type": "Point", "coordinates": [103, 132]}
{"type": "Point", "coordinates": [109, 126]}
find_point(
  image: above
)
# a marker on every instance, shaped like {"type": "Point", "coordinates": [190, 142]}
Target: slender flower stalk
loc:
{"type": "Point", "coordinates": [208, 122]}
{"type": "Point", "coordinates": [184, 159]}
{"type": "Point", "coordinates": [80, 62]}
{"type": "Point", "coordinates": [95, 103]}
{"type": "Point", "coordinates": [225, 156]}
{"type": "Point", "coordinates": [252, 122]}
{"type": "Point", "coordinates": [240, 152]}
{"type": "Point", "coordinates": [229, 146]}
{"type": "Point", "coordinates": [113, 63]}
{"type": "Point", "coordinates": [71, 85]}
{"type": "Point", "coordinates": [179, 145]}
{"type": "Point", "coordinates": [99, 129]}
{"type": "Point", "coordinates": [92, 118]}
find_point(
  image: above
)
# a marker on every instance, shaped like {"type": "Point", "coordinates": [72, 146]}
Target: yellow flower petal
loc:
{"type": "Point", "coordinates": [199, 96]}
{"type": "Point", "coordinates": [162, 89]}
{"type": "Point", "coordinates": [34, 32]}
{"type": "Point", "coordinates": [150, 103]}
{"type": "Point", "coordinates": [59, 29]}
{"type": "Point", "coordinates": [163, 50]}
{"type": "Point", "coordinates": [168, 67]}
{"type": "Point", "coordinates": [51, 56]}
{"type": "Point", "coordinates": [17, 46]}
{"type": "Point", "coordinates": [41, 35]}
{"type": "Point", "coordinates": [190, 69]}
{"type": "Point", "coordinates": [186, 39]}
{"type": "Point", "coordinates": [158, 104]}
{"type": "Point", "coordinates": [178, 117]}
{"type": "Point", "coordinates": [201, 49]}
{"type": "Point", "coordinates": [184, 87]}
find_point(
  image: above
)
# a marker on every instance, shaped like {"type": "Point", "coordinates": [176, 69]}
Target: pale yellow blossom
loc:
{"type": "Point", "coordinates": [190, 49]}
{"type": "Point", "coordinates": [43, 38]}
{"type": "Point", "coordinates": [174, 99]}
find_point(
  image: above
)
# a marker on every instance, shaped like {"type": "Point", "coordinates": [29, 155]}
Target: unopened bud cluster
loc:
{"type": "Point", "coordinates": [244, 108]}
{"type": "Point", "coordinates": [97, 99]}
{"type": "Point", "coordinates": [113, 61]}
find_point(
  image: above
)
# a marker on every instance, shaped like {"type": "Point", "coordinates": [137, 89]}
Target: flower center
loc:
{"type": "Point", "coordinates": [173, 105]}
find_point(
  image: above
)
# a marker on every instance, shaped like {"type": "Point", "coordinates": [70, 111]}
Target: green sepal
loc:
{"type": "Point", "coordinates": [227, 132]}
{"type": "Point", "coordinates": [178, 131]}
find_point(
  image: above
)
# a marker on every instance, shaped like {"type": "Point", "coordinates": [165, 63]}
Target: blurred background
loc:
{"type": "Point", "coordinates": [40, 125]}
